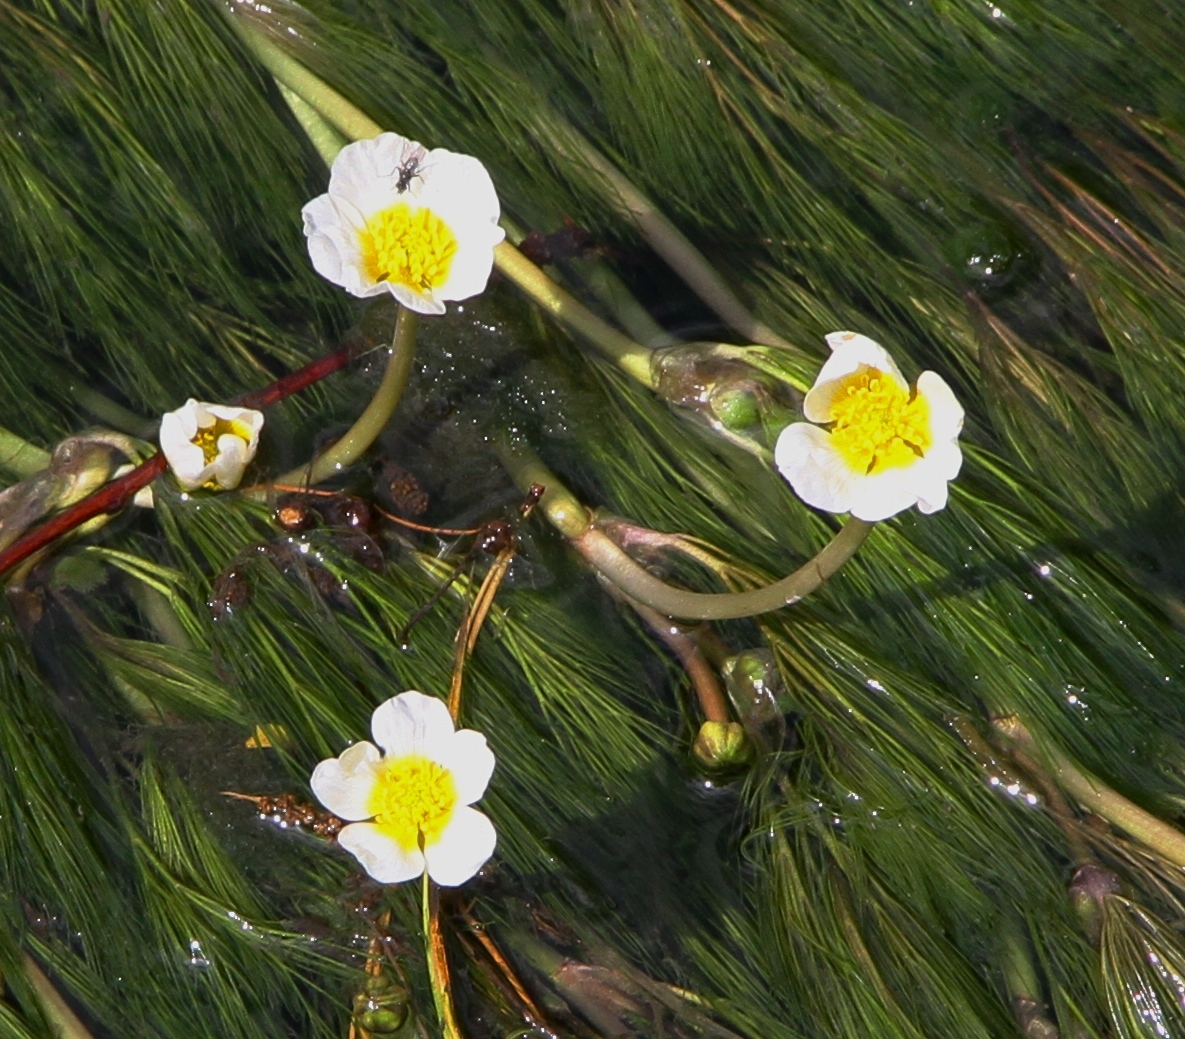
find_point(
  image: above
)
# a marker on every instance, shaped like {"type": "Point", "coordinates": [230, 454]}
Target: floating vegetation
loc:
{"type": "Point", "coordinates": [763, 771]}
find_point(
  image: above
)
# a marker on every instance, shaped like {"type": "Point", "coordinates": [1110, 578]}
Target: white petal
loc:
{"type": "Point", "coordinates": [946, 413]}
{"type": "Point", "coordinates": [850, 350]}
{"type": "Point", "coordinates": [187, 417]}
{"type": "Point", "coordinates": [818, 473]}
{"type": "Point", "coordinates": [344, 784]}
{"type": "Point", "coordinates": [465, 846]}
{"type": "Point", "coordinates": [227, 467]}
{"type": "Point", "coordinates": [249, 418]}
{"type": "Point", "coordinates": [421, 303]}
{"type": "Point", "coordinates": [468, 757]}
{"type": "Point", "coordinates": [365, 174]}
{"type": "Point", "coordinates": [944, 460]}
{"type": "Point", "coordinates": [185, 458]}
{"type": "Point", "coordinates": [383, 858]}
{"type": "Point", "coordinates": [934, 497]}
{"type": "Point", "coordinates": [459, 185]}
{"type": "Point", "coordinates": [470, 270]}
{"type": "Point", "coordinates": [882, 495]}
{"type": "Point", "coordinates": [412, 723]}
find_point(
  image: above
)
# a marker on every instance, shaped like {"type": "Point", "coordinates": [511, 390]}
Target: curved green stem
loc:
{"type": "Point", "coordinates": [571, 519]}
{"type": "Point", "coordinates": [565, 308]}
{"type": "Point", "coordinates": [346, 451]}
{"type": "Point", "coordinates": [1097, 797]}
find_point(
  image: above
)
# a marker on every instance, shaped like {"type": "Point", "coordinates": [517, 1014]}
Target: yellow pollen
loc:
{"type": "Point", "coordinates": [411, 247]}
{"type": "Point", "coordinates": [413, 800]}
{"type": "Point", "coordinates": [878, 425]}
{"type": "Point", "coordinates": [207, 437]}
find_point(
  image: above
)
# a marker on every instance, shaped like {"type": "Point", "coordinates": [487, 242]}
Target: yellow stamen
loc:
{"type": "Point", "coordinates": [413, 800]}
{"type": "Point", "coordinates": [207, 437]}
{"type": "Point", "coordinates": [878, 425]}
{"type": "Point", "coordinates": [411, 247]}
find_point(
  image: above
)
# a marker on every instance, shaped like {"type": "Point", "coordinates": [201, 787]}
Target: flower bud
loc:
{"type": "Point", "coordinates": [722, 745]}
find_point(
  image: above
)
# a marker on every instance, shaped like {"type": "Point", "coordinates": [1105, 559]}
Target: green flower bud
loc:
{"type": "Point", "coordinates": [736, 407]}
{"type": "Point", "coordinates": [722, 745]}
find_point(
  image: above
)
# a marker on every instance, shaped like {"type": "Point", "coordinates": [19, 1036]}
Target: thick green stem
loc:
{"type": "Point", "coordinates": [607, 287]}
{"type": "Point", "coordinates": [565, 308]}
{"type": "Point", "coordinates": [321, 134]}
{"type": "Point", "coordinates": [19, 457]}
{"type": "Point", "coordinates": [1094, 795]}
{"type": "Point", "coordinates": [348, 118]}
{"type": "Point", "coordinates": [663, 236]}
{"type": "Point", "coordinates": [346, 451]}
{"type": "Point", "coordinates": [57, 1010]}
{"type": "Point", "coordinates": [572, 520]}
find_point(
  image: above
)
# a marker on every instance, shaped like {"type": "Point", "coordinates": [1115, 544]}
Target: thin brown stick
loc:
{"type": "Point", "coordinates": [471, 625]}
{"type": "Point", "coordinates": [530, 1011]}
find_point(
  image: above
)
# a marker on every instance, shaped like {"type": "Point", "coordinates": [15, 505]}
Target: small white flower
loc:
{"type": "Point", "coordinates": [408, 808]}
{"type": "Point", "coordinates": [886, 447]}
{"type": "Point", "coordinates": [398, 218]}
{"type": "Point", "coordinates": [209, 445]}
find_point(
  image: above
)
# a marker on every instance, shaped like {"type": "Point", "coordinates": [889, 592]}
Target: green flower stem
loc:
{"type": "Point", "coordinates": [19, 457]}
{"type": "Point", "coordinates": [348, 118]}
{"type": "Point", "coordinates": [1094, 795]}
{"type": "Point", "coordinates": [346, 451]}
{"type": "Point", "coordinates": [663, 236]}
{"type": "Point", "coordinates": [632, 358]}
{"type": "Point", "coordinates": [57, 1011]}
{"type": "Point", "coordinates": [322, 134]}
{"type": "Point", "coordinates": [572, 520]}
{"type": "Point", "coordinates": [607, 287]}
{"type": "Point", "coordinates": [437, 955]}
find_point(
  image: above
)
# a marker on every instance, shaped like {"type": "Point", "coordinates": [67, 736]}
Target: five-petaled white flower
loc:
{"type": "Point", "coordinates": [209, 445]}
{"type": "Point", "coordinates": [408, 808]}
{"type": "Point", "coordinates": [886, 447]}
{"type": "Point", "coordinates": [398, 218]}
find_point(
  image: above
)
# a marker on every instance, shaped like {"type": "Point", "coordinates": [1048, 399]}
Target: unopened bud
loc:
{"type": "Point", "coordinates": [722, 745]}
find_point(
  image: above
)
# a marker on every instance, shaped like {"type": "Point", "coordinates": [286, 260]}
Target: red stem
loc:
{"type": "Point", "coordinates": [115, 495]}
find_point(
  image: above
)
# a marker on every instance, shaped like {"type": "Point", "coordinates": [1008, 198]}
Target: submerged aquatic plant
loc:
{"type": "Point", "coordinates": [977, 708]}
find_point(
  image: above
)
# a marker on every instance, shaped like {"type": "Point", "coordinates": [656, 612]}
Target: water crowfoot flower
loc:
{"type": "Point", "coordinates": [209, 445]}
{"type": "Point", "coordinates": [886, 447]}
{"type": "Point", "coordinates": [408, 807]}
{"type": "Point", "coordinates": [398, 218]}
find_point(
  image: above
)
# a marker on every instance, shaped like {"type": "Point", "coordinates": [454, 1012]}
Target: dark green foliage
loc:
{"type": "Point", "coordinates": [995, 193]}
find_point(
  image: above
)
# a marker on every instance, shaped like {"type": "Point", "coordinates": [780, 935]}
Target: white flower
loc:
{"type": "Point", "coordinates": [408, 807]}
{"type": "Point", "coordinates": [419, 224]}
{"type": "Point", "coordinates": [886, 447]}
{"type": "Point", "coordinates": [209, 445]}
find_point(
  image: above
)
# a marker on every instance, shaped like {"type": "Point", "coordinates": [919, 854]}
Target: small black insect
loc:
{"type": "Point", "coordinates": [408, 171]}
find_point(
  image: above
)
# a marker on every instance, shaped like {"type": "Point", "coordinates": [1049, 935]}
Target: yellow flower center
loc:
{"type": "Point", "coordinates": [207, 437]}
{"type": "Point", "coordinates": [413, 800]}
{"type": "Point", "coordinates": [411, 247]}
{"type": "Point", "coordinates": [878, 425]}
